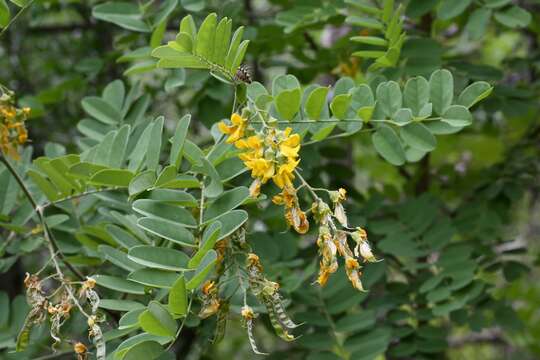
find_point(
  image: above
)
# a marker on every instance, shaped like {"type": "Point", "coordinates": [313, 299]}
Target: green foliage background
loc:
{"type": "Point", "coordinates": [449, 199]}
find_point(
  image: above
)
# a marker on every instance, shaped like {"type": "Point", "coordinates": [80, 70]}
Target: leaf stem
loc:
{"type": "Point", "coordinates": [182, 324]}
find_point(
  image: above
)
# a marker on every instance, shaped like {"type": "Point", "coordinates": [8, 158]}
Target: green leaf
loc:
{"type": "Point", "coordinates": [315, 102]}
{"type": "Point", "coordinates": [514, 17]}
{"type": "Point", "coordinates": [215, 187]}
{"type": "Point", "coordinates": [387, 144]}
{"type": "Point", "coordinates": [122, 237]}
{"type": "Point", "coordinates": [340, 105]}
{"type": "Point", "coordinates": [119, 284]}
{"type": "Point", "coordinates": [142, 182]}
{"type": "Point", "coordinates": [240, 53]}
{"type": "Point", "coordinates": [178, 300]}
{"type": "Point", "coordinates": [457, 115]}
{"type": "Point", "coordinates": [123, 14]}
{"type": "Point", "coordinates": [288, 103]}
{"type": "Point", "coordinates": [118, 147]}
{"type": "Point", "coordinates": [209, 239]}
{"type": "Point", "coordinates": [477, 24]}
{"type": "Point", "coordinates": [112, 177]}
{"type": "Point", "coordinates": [389, 97]}
{"type": "Point", "coordinates": [161, 210]}
{"type": "Point", "coordinates": [356, 322]}
{"type": "Point", "coordinates": [44, 185]}
{"type": "Point", "coordinates": [179, 182]}
{"type": "Point", "coordinates": [416, 94]}
{"type": "Point", "coordinates": [204, 46]}
{"type": "Point", "coordinates": [130, 320]}
{"type": "Point", "coordinates": [177, 148]}
{"type": "Point", "coordinates": [474, 93]}
{"type": "Point", "coordinates": [171, 58]}
{"type": "Point", "coordinates": [101, 110]}
{"type": "Point", "coordinates": [175, 197]}
{"type": "Point", "coordinates": [159, 257]}
{"type": "Point", "coordinates": [168, 173]}
{"type": "Point", "coordinates": [418, 136]}
{"type": "Point", "coordinates": [367, 22]}
{"type": "Point", "coordinates": [370, 40]}
{"type": "Point", "coordinates": [120, 305]}
{"type": "Point", "coordinates": [167, 230]}
{"type": "Point", "coordinates": [231, 221]}
{"type": "Point", "coordinates": [154, 146]}
{"type": "Point", "coordinates": [114, 94]}
{"type": "Point", "coordinates": [233, 48]}
{"type": "Point", "coordinates": [451, 8]}
{"type": "Point", "coordinates": [156, 320]}
{"type": "Point", "coordinates": [226, 202]}
{"type": "Point", "coordinates": [5, 15]}
{"type": "Point", "coordinates": [221, 40]}
{"type": "Point", "coordinates": [203, 269]}
{"type": "Point", "coordinates": [403, 116]}
{"type": "Point", "coordinates": [132, 346]}
{"type": "Point", "coordinates": [441, 90]}
{"type": "Point", "coordinates": [118, 258]}
{"type": "Point", "coordinates": [153, 277]}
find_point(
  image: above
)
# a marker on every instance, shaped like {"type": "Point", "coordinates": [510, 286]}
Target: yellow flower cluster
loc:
{"type": "Point", "coordinates": [269, 154]}
{"type": "Point", "coordinates": [12, 129]}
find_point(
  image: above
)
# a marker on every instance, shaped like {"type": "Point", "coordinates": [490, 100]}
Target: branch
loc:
{"type": "Point", "coordinates": [39, 211]}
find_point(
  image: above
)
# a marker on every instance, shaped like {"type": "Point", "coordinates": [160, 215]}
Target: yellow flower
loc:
{"type": "Point", "coordinates": [236, 130]}
{"type": "Point", "coordinates": [291, 145]}
{"type": "Point", "coordinates": [284, 175]}
{"type": "Point", "coordinates": [261, 168]}
{"type": "Point", "coordinates": [252, 143]}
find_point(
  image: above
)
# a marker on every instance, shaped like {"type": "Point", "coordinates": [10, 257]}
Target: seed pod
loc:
{"type": "Point", "coordinates": [274, 320]}
{"type": "Point", "coordinates": [249, 326]}
{"type": "Point", "coordinates": [283, 317]}
{"type": "Point", "coordinates": [221, 322]}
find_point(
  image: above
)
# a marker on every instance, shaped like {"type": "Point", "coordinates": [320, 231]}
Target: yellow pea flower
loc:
{"type": "Point", "coordinates": [291, 145]}
{"type": "Point", "coordinates": [284, 175]}
{"type": "Point", "coordinates": [236, 130]}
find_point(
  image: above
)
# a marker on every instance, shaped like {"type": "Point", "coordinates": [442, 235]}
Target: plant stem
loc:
{"type": "Point", "coordinates": [181, 325]}
{"type": "Point", "coordinates": [76, 196]}
{"type": "Point", "coordinates": [305, 183]}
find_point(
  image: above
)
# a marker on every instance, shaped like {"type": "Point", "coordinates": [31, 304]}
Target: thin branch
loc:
{"type": "Point", "coordinates": [39, 211]}
{"type": "Point", "coordinates": [181, 325]}
{"type": "Point", "coordinates": [76, 196]}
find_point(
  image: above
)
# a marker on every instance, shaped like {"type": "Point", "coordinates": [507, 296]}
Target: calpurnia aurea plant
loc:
{"type": "Point", "coordinates": [176, 240]}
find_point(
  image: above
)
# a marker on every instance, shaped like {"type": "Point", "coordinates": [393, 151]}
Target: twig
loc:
{"type": "Point", "coordinates": [181, 325]}
{"type": "Point", "coordinates": [76, 196]}
{"type": "Point", "coordinates": [39, 211]}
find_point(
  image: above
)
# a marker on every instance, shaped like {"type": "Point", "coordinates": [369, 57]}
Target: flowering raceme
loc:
{"type": "Point", "coordinates": [12, 129]}
{"type": "Point", "coordinates": [272, 154]}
